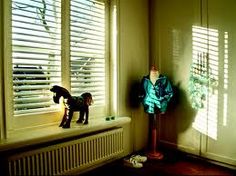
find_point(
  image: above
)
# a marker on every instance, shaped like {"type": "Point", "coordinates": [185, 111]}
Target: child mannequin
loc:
{"type": "Point", "coordinates": [156, 93]}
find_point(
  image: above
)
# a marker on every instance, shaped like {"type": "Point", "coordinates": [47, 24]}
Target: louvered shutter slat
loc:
{"type": "Point", "coordinates": [87, 36]}
{"type": "Point", "coordinates": [36, 54]}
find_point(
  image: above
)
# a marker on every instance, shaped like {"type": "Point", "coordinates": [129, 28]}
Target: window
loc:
{"type": "Point", "coordinates": [38, 40]}
{"type": "Point", "coordinates": [36, 53]}
{"type": "Point", "coordinates": [87, 49]}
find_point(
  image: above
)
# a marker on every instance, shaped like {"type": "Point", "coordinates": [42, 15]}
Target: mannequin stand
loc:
{"type": "Point", "coordinates": [153, 153]}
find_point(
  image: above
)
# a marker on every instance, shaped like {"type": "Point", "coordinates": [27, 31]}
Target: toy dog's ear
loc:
{"type": "Point", "coordinates": [56, 99]}
{"type": "Point", "coordinates": [52, 89]}
{"type": "Point", "coordinates": [56, 95]}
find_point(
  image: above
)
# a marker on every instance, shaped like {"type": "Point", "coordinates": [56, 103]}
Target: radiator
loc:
{"type": "Point", "coordinates": [68, 156]}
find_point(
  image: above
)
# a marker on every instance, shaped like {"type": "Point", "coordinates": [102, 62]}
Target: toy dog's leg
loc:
{"type": "Point", "coordinates": [67, 124]}
{"type": "Point", "coordinates": [64, 117]}
{"type": "Point", "coordinates": [81, 117]}
{"type": "Point", "coordinates": [86, 115]}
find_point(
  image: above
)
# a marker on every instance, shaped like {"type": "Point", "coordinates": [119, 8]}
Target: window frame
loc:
{"type": "Point", "coordinates": [10, 123]}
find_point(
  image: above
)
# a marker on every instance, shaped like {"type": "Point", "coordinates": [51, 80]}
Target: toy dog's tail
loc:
{"type": "Point", "coordinates": [59, 92]}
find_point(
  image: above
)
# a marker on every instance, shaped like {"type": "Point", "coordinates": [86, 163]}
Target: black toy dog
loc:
{"type": "Point", "coordinates": [72, 104]}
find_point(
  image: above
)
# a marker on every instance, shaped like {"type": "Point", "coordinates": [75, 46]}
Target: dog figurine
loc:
{"type": "Point", "coordinates": [72, 104]}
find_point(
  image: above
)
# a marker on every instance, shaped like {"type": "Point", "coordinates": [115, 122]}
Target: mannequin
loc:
{"type": "Point", "coordinates": [156, 93]}
{"type": "Point", "coordinates": [154, 75]}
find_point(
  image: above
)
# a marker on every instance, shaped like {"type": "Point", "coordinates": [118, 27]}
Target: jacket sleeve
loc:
{"type": "Point", "coordinates": [142, 91]}
{"type": "Point", "coordinates": [168, 91]}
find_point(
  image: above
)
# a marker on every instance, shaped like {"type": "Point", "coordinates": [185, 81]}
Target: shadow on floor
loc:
{"type": "Point", "coordinates": [172, 164]}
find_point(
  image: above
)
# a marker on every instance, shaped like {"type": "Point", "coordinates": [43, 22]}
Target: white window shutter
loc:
{"type": "Point", "coordinates": [36, 54]}
{"type": "Point", "coordinates": [87, 49]}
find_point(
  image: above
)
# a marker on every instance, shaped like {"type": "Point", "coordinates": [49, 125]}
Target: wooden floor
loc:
{"type": "Point", "coordinates": [172, 164]}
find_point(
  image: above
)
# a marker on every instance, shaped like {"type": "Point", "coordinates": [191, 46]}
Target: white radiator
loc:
{"type": "Point", "coordinates": [68, 156]}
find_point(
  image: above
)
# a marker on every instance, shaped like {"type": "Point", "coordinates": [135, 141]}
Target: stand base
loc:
{"type": "Point", "coordinates": [154, 155]}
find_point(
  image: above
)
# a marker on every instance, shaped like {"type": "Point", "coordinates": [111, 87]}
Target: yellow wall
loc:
{"type": "Point", "coordinates": [133, 63]}
{"type": "Point", "coordinates": [2, 122]}
{"type": "Point", "coordinates": [1, 63]}
{"type": "Point", "coordinates": [171, 38]}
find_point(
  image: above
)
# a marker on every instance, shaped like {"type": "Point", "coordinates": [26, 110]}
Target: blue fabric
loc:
{"type": "Point", "coordinates": [155, 97]}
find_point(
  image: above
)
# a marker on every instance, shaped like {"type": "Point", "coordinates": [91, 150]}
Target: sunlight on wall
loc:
{"type": "Point", "coordinates": [225, 107]}
{"type": "Point", "coordinates": [176, 50]}
{"type": "Point", "coordinates": [205, 71]}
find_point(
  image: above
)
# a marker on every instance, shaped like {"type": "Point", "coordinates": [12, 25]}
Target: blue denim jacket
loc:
{"type": "Point", "coordinates": [155, 97]}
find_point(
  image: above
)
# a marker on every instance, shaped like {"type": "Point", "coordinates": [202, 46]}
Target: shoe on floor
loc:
{"type": "Point", "coordinates": [131, 162]}
{"type": "Point", "coordinates": [139, 158]}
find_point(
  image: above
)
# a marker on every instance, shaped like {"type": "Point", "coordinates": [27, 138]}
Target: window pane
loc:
{"type": "Point", "coordinates": [36, 53]}
{"type": "Point", "coordinates": [87, 52]}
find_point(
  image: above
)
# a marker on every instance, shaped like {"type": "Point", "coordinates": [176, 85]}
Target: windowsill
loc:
{"type": "Point", "coordinates": [51, 133]}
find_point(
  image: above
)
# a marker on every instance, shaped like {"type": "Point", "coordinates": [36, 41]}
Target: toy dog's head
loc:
{"type": "Point", "coordinates": [58, 92]}
{"type": "Point", "coordinates": [88, 99]}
